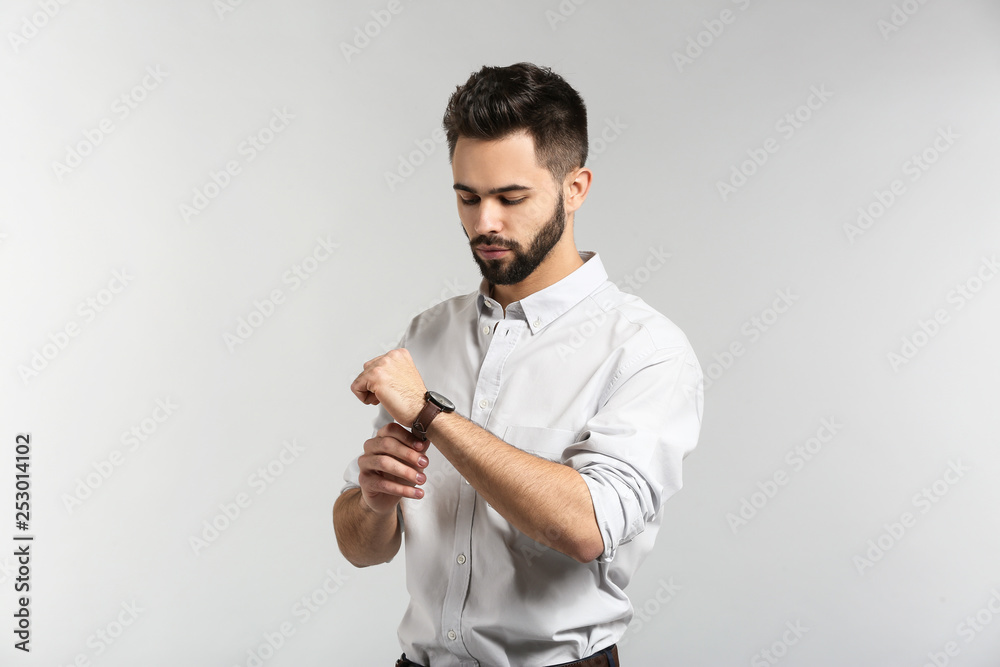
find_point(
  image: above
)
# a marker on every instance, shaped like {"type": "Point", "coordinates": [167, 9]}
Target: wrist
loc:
{"type": "Point", "coordinates": [370, 511]}
{"type": "Point", "coordinates": [434, 405]}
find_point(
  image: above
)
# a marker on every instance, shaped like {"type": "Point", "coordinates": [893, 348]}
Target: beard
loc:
{"type": "Point", "coordinates": [512, 270]}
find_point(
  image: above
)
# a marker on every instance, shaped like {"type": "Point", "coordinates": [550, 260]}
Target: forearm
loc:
{"type": "Point", "coordinates": [549, 502]}
{"type": "Point", "coordinates": [364, 537]}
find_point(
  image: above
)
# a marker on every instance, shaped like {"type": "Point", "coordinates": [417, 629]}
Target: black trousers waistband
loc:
{"type": "Point", "coordinates": [605, 658]}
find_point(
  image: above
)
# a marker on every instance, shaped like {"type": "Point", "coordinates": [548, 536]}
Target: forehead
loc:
{"type": "Point", "coordinates": [482, 164]}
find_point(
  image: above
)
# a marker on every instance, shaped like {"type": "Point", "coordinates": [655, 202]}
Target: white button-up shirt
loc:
{"type": "Point", "coordinates": [580, 373]}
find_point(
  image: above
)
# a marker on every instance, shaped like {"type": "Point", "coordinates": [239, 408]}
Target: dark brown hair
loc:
{"type": "Point", "coordinates": [498, 101]}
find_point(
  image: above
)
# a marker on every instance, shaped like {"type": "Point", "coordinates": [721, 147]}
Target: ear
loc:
{"type": "Point", "coordinates": [576, 185]}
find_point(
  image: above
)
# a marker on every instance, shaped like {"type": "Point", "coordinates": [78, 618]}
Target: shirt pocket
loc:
{"type": "Point", "coordinates": [546, 443]}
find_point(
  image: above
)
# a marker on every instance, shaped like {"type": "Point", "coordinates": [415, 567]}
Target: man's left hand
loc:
{"type": "Point", "coordinates": [392, 379]}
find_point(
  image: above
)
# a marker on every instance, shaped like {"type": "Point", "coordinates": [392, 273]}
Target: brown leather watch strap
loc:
{"type": "Point", "coordinates": [423, 420]}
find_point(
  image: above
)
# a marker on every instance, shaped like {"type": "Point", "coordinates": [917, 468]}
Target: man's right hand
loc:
{"type": "Point", "coordinates": [391, 468]}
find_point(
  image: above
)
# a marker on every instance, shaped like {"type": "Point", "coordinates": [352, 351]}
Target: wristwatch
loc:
{"type": "Point", "coordinates": [435, 403]}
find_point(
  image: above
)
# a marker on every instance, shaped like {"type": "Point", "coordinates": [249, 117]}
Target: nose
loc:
{"type": "Point", "coordinates": [488, 217]}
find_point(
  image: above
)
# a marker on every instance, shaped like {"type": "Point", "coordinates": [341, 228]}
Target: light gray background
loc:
{"type": "Point", "coordinates": [680, 130]}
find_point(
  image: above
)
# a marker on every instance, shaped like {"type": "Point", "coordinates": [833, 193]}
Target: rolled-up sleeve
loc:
{"type": "Point", "coordinates": [630, 452]}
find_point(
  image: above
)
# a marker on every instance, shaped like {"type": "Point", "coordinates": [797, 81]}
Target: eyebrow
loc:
{"type": "Point", "coordinates": [494, 191]}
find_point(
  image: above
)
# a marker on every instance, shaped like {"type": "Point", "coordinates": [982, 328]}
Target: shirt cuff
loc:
{"type": "Point", "coordinates": [613, 510]}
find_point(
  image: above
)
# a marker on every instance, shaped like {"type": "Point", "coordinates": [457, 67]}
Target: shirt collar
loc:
{"type": "Point", "coordinates": [545, 305]}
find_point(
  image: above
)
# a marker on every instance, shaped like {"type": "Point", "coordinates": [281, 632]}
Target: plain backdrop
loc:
{"type": "Point", "coordinates": [213, 213]}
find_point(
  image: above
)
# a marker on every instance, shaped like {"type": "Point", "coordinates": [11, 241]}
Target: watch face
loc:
{"type": "Point", "coordinates": [441, 401]}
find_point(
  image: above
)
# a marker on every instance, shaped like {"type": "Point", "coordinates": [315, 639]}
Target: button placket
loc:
{"type": "Point", "coordinates": [488, 384]}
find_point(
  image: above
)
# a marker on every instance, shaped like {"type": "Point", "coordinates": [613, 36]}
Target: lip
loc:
{"type": "Point", "coordinates": [491, 252]}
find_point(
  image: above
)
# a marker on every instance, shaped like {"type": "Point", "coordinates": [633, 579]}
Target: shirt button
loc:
{"type": "Point", "coordinates": [484, 403]}
{"type": "Point", "coordinates": [537, 323]}
{"type": "Point", "coordinates": [461, 559]}
{"type": "Point", "coordinates": [486, 330]}
{"type": "Point", "coordinates": [452, 635]}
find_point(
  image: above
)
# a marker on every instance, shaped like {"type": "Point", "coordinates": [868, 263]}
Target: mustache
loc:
{"type": "Point", "coordinates": [496, 243]}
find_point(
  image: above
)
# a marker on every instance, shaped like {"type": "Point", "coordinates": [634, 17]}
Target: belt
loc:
{"type": "Point", "coordinates": [605, 658]}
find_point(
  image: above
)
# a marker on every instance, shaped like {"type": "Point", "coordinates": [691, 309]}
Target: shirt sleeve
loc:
{"type": "Point", "coordinates": [631, 450]}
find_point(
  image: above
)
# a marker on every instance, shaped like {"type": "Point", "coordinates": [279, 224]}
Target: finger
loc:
{"type": "Point", "coordinates": [390, 446]}
{"type": "Point", "coordinates": [404, 435]}
{"type": "Point", "coordinates": [371, 361]}
{"type": "Point", "coordinates": [375, 483]}
{"type": "Point", "coordinates": [391, 465]}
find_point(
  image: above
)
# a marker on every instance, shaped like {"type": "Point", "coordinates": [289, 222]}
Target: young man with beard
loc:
{"type": "Point", "coordinates": [559, 413]}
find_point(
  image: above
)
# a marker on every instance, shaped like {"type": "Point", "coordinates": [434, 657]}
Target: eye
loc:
{"type": "Point", "coordinates": [506, 202]}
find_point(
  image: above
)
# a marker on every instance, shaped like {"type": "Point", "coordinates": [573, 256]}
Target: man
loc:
{"type": "Point", "coordinates": [540, 486]}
